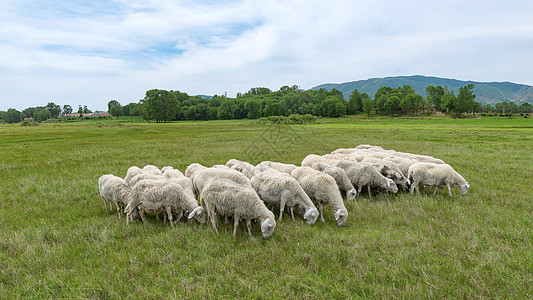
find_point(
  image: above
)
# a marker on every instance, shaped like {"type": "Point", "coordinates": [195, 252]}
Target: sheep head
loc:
{"type": "Point", "coordinates": [199, 214]}
{"type": "Point", "coordinates": [311, 216]}
{"type": "Point", "coordinates": [268, 226]}
{"type": "Point", "coordinates": [341, 215]}
{"type": "Point", "coordinates": [391, 186]}
{"type": "Point", "coordinates": [351, 194]}
{"type": "Point", "coordinates": [463, 188]}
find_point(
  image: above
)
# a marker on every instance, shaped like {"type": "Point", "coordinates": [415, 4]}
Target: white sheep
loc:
{"type": "Point", "coordinates": [145, 176]}
{"type": "Point", "coordinates": [163, 196]}
{"type": "Point", "coordinates": [192, 169]}
{"type": "Point", "coordinates": [403, 163]}
{"type": "Point", "coordinates": [203, 177]}
{"type": "Point", "coordinates": [370, 147]}
{"type": "Point", "coordinates": [176, 176]}
{"type": "Point", "coordinates": [132, 172]}
{"type": "Point", "coordinates": [323, 189]}
{"type": "Point", "coordinates": [343, 182]}
{"type": "Point", "coordinates": [284, 168]}
{"type": "Point", "coordinates": [115, 190]}
{"type": "Point", "coordinates": [244, 167]}
{"type": "Point", "coordinates": [312, 159]}
{"type": "Point", "coordinates": [227, 198]}
{"type": "Point", "coordinates": [432, 174]}
{"type": "Point", "coordinates": [150, 169]}
{"type": "Point", "coordinates": [275, 188]}
{"type": "Point", "coordinates": [363, 174]}
{"type": "Point", "coordinates": [344, 151]}
{"type": "Point", "coordinates": [389, 170]}
{"type": "Point", "coordinates": [427, 159]}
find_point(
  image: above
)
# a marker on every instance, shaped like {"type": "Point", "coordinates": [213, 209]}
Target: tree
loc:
{"type": "Point", "coordinates": [392, 105]}
{"type": "Point", "coordinates": [13, 116]}
{"type": "Point", "coordinates": [450, 102]}
{"type": "Point", "coordinates": [368, 105]}
{"type": "Point", "coordinates": [54, 109]}
{"type": "Point", "coordinates": [114, 108]}
{"type": "Point", "coordinates": [67, 109]}
{"type": "Point", "coordinates": [411, 103]}
{"type": "Point", "coordinates": [226, 111]}
{"type": "Point", "coordinates": [42, 115]}
{"type": "Point", "coordinates": [355, 103]}
{"type": "Point", "coordinates": [434, 96]}
{"type": "Point", "coordinates": [86, 110]}
{"type": "Point", "coordinates": [160, 105]}
{"type": "Point", "coordinates": [29, 112]}
{"type": "Point", "coordinates": [254, 109]}
{"type": "Point", "coordinates": [465, 99]}
{"type": "Point", "coordinates": [332, 106]}
{"type": "Point", "coordinates": [80, 110]}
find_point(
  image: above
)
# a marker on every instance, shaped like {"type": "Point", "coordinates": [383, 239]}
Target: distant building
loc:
{"type": "Point", "coordinates": [29, 120]}
{"type": "Point", "coordinates": [94, 114]}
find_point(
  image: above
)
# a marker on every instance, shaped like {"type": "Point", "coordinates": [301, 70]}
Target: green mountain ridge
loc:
{"type": "Point", "coordinates": [486, 92]}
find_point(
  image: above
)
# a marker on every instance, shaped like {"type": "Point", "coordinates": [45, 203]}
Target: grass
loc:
{"type": "Point", "coordinates": [57, 241]}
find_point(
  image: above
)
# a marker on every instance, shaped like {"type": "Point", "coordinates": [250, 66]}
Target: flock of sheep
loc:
{"type": "Point", "coordinates": [243, 191]}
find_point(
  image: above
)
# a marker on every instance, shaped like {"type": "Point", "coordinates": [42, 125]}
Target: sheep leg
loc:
{"type": "Point", "coordinates": [118, 210]}
{"type": "Point", "coordinates": [249, 227]}
{"type": "Point", "coordinates": [169, 213]}
{"type": "Point", "coordinates": [141, 212]}
{"type": "Point", "coordinates": [369, 192]}
{"type": "Point", "coordinates": [105, 204]}
{"type": "Point", "coordinates": [449, 189]}
{"type": "Point", "coordinates": [435, 190]}
{"type": "Point", "coordinates": [291, 209]}
{"type": "Point", "coordinates": [213, 216]}
{"type": "Point", "coordinates": [321, 210]}
{"type": "Point", "coordinates": [282, 204]}
{"type": "Point", "coordinates": [235, 224]}
{"type": "Point", "coordinates": [180, 215]}
{"type": "Point", "coordinates": [226, 219]}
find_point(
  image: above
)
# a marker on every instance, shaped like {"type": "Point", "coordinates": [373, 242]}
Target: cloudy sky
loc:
{"type": "Point", "coordinates": [81, 52]}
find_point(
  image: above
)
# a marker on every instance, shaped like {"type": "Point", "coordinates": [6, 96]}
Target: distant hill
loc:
{"type": "Point", "coordinates": [486, 92]}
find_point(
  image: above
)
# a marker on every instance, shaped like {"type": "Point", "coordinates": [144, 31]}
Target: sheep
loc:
{"type": "Point", "coordinates": [344, 151]}
{"type": "Point", "coordinates": [389, 170]}
{"type": "Point", "coordinates": [343, 182]}
{"type": "Point", "coordinates": [428, 159]}
{"type": "Point", "coordinates": [192, 169]}
{"type": "Point", "coordinates": [205, 176]}
{"type": "Point", "coordinates": [145, 176]}
{"type": "Point", "coordinates": [433, 174]}
{"type": "Point", "coordinates": [227, 198]}
{"type": "Point", "coordinates": [337, 156]}
{"type": "Point", "coordinates": [150, 169]}
{"type": "Point", "coordinates": [369, 147]}
{"type": "Point", "coordinates": [132, 172]}
{"type": "Point", "coordinates": [403, 163]}
{"type": "Point", "coordinates": [176, 176]}
{"type": "Point", "coordinates": [284, 168]}
{"type": "Point", "coordinates": [244, 167]}
{"type": "Point", "coordinates": [114, 189]}
{"type": "Point", "coordinates": [363, 174]}
{"type": "Point", "coordinates": [323, 190]}
{"type": "Point", "coordinates": [158, 196]}
{"type": "Point", "coordinates": [312, 159]}
{"type": "Point", "coordinates": [274, 187]}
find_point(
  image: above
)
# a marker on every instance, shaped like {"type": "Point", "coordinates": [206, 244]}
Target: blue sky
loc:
{"type": "Point", "coordinates": [89, 52]}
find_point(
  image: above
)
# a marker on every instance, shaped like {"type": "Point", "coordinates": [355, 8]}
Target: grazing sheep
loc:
{"type": "Point", "coordinates": [115, 190]}
{"type": "Point", "coordinates": [132, 172]}
{"type": "Point", "coordinates": [244, 167]}
{"type": "Point", "coordinates": [192, 169]}
{"type": "Point", "coordinates": [227, 198]}
{"type": "Point", "coordinates": [363, 174]}
{"type": "Point", "coordinates": [344, 151]}
{"type": "Point", "coordinates": [323, 190]}
{"type": "Point", "coordinates": [427, 159]}
{"type": "Point", "coordinates": [145, 176]}
{"type": "Point", "coordinates": [389, 170]}
{"type": "Point", "coordinates": [176, 176]}
{"type": "Point", "coordinates": [284, 168]}
{"type": "Point", "coordinates": [163, 196]}
{"type": "Point", "coordinates": [403, 163]}
{"type": "Point", "coordinates": [203, 177]}
{"type": "Point", "coordinates": [150, 169]}
{"type": "Point", "coordinates": [279, 188]}
{"type": "Point", "coordinates": [432, 174]}
{"type": "Point", "coordinates": [312, 159]}
{"type": "Point", "coordinates": [343, 182]}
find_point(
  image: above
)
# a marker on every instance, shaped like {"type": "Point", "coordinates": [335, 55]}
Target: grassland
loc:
{"type": "Point", "coordinates": [57, 241]}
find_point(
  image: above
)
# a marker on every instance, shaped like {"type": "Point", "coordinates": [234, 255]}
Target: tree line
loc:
{"type": "Point", "coordinates": [165, 106]}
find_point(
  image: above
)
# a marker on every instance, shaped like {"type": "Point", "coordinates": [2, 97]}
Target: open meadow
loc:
{"type": "Point", "coordinates": [57, 241]}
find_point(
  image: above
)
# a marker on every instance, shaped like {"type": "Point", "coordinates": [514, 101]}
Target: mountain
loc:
{"type": "Point", "coordinates": [486, 92]}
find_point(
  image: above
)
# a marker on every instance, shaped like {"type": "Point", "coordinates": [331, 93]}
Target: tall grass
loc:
{"type": "Point", "coordinates": [57, 241]}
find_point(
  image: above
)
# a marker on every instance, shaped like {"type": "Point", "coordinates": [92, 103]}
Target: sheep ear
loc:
{"type": "Point", "coordinates": [388, 183]}
{"type": "Point", "coordinates": [265, 225]}
{"type": "Point", "coordinates": [306, 215]}
{"type": "Point", "coordinates": [127, 207]}
{"type": "Point", "coordinates": [194, 212]}
{"type": "Point", "coordinates": [337, 214]}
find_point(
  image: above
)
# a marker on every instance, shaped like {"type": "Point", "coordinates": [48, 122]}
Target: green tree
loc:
{"type": "Point", "coordinates": [54, 109]}
{"type": "Point", "coordinates": [160, 105]}
{"type": "Point", "coordinates": [226, 110]}
{"type": "Point", "coordinates": [86, 110]}
{"type": "Point", "coordinates": [67, 109]}
{"type": "Point", "coordinates": [254, 108]}
{"type": "Point", "coordinates": [80, 110]}
{"type": "Point", "coordinates": [434, 96]}
{"type": "Point", "coordinates": [465, 99]}
{"type": "Point", "coordinates": [332, 106]}
{"type": "Point", "coordinates": [114, 108]}
{"type": "Point", "coordinates": [368, 105]}
{"type": "Point", "coordinates": [42, 115]}
{"type": "Point", "coordinates": [450, 102]}
{"type": "Point", "coordinates": [392, 105]}
{"type": "Point", "coordinates": [29, 112]}
{"type": "Point", "coordinates": [13, 116]}
{"type": "Point", "coordinates": [411, 103]}
{"type": "Point", "coordinates": [355, 103]}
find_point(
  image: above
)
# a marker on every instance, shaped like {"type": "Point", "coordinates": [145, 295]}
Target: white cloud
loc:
{"type": "Point", "coordinates": [102, 50]}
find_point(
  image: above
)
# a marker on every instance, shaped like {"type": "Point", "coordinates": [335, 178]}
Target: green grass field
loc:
{"type": "Point", "coordinates": [57, 241]}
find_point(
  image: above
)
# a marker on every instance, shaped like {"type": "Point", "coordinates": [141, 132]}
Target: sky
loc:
{"type": "Point", "coordinates": [81, 52]}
